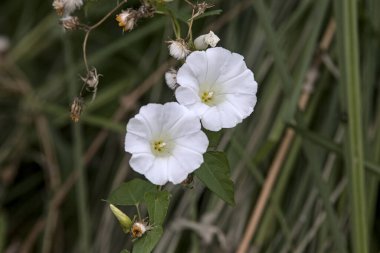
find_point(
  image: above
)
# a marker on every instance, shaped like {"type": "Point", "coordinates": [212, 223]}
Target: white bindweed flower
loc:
{"type": "Point", "coordinates": [166, 142]}
{"type": "Point", "coordinates": [205, 40]}
{"type": "Point", "coordinates": [178, 49]}
{"type": "Point", "coordinates": [171, 78]}
{"type": "Point", "coordinates": [217, 85]}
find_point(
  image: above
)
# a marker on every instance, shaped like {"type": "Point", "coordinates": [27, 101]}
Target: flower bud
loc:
{"type": "Point", "coordinates": [178, 49]}
{"type": "Point", "coordinates": [203, 41]}
{"type": "Point", "coordinates": [171, 78]}
{"type": "Point", "coordinates": [76, 108]}
{"type": "Point", "coordinates": [123, 219]}
{"type": "Point", "coordinates": [127, 19]}
{"type": "Point", "coordinates": [69, 23]}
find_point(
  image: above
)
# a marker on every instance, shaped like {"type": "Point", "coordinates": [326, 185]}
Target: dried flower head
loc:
{"type": "Point", "coordinates": [146, 11]}
{"type": "Point", "coordinates": [69, 23]}
{"type": "Point", "coordinates": [171, 78]}
{"type": "Point", "coordinates": [127, 19]}
{"type": "Point", "coordinates": [66, 7]}
{"type": "Point", "coordinates": [205, 40]}
{"type": "Point", "coordinates": [139, 228]}
{"type": "Point", "coordinates": [76, 108]}
{"type": "Point", "coordinates": [202, 7]}
{"type": "Point", "coordinates": [178, 49]}
{"type": "Point", "coordinates": [59, 6]}
{"type": "Point", "coordinates": [91, 80]}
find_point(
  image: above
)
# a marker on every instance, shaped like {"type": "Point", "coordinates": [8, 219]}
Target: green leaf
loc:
{"type": "Point", "coordinates": [131, 193]}
{"type": "Point", "coordinates": [147, 243]}
{"type": "Point", "coordinates": [215, 174]}
{"type": "Point", "coordinates": [158, 204]}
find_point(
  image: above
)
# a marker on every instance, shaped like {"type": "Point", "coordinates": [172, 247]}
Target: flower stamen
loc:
{"type": "Point", "coordinates": [159, 146]}
{"type": "Point", "coordinates": [207, 97]}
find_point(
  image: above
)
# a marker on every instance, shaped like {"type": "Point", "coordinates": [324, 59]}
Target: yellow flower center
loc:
{"type": "Point", "coordinates": [207, 97]}
{"type": "Point", "coordinates": [159, 147]}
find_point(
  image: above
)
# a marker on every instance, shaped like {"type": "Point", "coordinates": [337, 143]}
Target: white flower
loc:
{"type": "Point", "coordinates": [178, 49]}
{"type": "Point", "coordinates": [166, 142]}
{"type": "Point", "coordinates": [205, 40]}
{"type": "Point", "coordinates": [171, 78]}
{"type": "Point", "coordinates": [217, 85]}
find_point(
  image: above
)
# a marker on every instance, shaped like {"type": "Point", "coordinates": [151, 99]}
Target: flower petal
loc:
{"type": "Point", "coordinates": [136, 144]}
{"type": "Point", "coordinates": [186, 96]}
{"type": "Point", "coordinates": [216, 58]}
{"type": "Point", "coordinates": [187, 78]}
{"type": "Point", "coordinates": [180, 121]}
{"type": "Point", "coordinates": [197, 62]}
{"type": "Point", "coordinates": [158, 173]}
{"type": "Point", "coordinates": [142, 162]}
{"type": "Point", "coordinates": [242, 102]}
{"type": "Point", "coordinates": [138, 127]}
{"type": "Point", "coordinates": [152, 114]}
{"type": "Point", "coordinates": [211, 119]}
{"type": "Point", "coordinates": [176, 174]}
{"type": "Point", "coordinates": [189, 159]}
{"type": "Point", "coordinates": [197, 142]}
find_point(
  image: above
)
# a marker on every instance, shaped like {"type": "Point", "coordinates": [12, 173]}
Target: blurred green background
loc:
{"type": "Point", "coordinates": [306, 163]}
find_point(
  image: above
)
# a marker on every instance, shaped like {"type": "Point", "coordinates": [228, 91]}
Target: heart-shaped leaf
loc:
{"type": "Point", "coordinates": [215, 174]}
{"type": "Point", "coordinates": [158, 204]}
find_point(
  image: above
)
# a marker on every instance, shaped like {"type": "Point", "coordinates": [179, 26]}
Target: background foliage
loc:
{"type": "Point", "coordinates": [305, 164]}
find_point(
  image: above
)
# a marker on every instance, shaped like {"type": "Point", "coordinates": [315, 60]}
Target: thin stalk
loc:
{"type": "Point", "coordinates": [346, 12]}
{"type": "Point", "coordinates": [89, 29]}
{"type": "Point", "coordinates": [83, 213]}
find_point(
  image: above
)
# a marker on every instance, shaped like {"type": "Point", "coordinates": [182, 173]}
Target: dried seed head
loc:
{"type": "Point", "coordinates": [145, 11]}
{"type": "Point", "coordinates": [171, 78]}
{"type": "Point", "coordinates": [202, 7]}
{"type": "Point", "coordinates": [66, 7]}
{"type": "Point", "coordinates": [139, 229]}
{"type": "Point", "coordinates": [76, 108]}
{"type": "Point", "coordinates": [59, 7]}
{"type": "Point", "coordinates": [69, 23]}
{"type": "Point", "coordinates": [178, 49]}
{"type": "Point", "coordinates": [127, 19]}
{"type": "Point", "coordinates": [92, 79]}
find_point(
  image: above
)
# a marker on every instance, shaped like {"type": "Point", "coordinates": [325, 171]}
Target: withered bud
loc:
{"type": "Point", "coordinates": [171, 78]}
{"type": "Point", "coordinates": [69, 23]}
{"type": "Point", "coordinates": [178, 49]}
{"type": "Point", "coordinates": [76, 108]}
{"type": "Point", "coordinates": [127, 19]}
{"type": "Point", "coordinates": [139, 228]}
